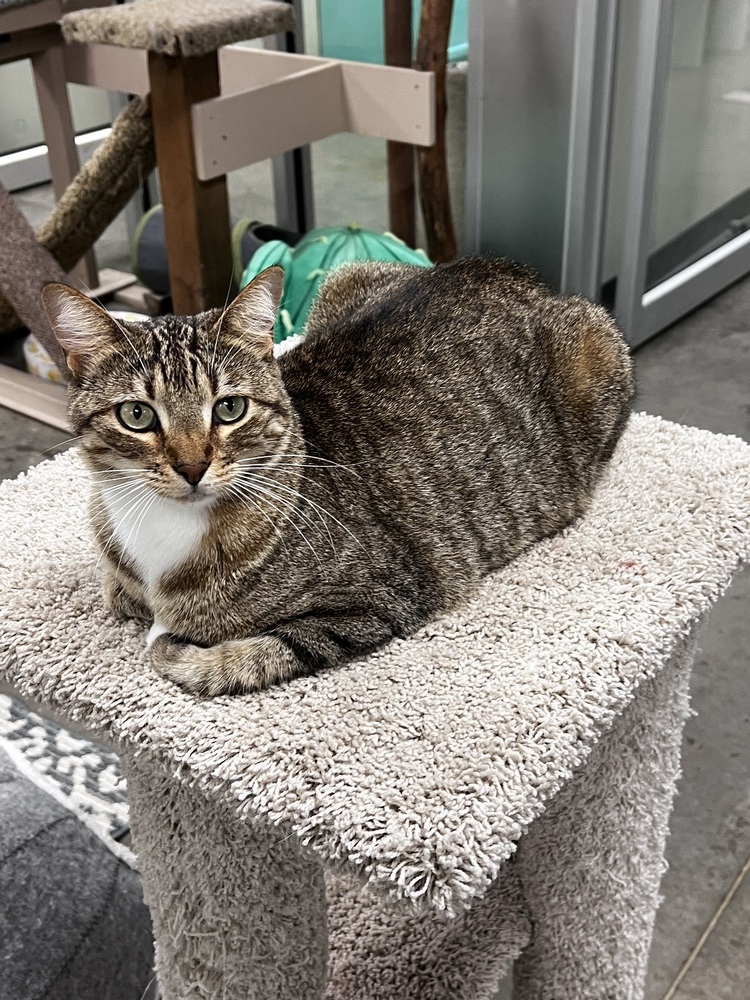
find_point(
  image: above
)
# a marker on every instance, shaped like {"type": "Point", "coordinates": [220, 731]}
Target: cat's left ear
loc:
{"type": "Point", "coordinates": [252, 315]}
{"type": "Point", "coordinates": [81, 327]}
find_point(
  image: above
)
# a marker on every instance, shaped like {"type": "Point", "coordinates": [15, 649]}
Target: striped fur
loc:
{"type": "Point", "coordinates": [432, 426]}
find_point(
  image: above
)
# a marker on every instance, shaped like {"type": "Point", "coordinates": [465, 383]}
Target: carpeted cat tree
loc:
{"type": "Point", "coordinates": [101, 189]}
{"type": "Point", "coordinates": [496, 788]}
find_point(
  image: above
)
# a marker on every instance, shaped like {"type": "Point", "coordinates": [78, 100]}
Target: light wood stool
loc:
{"type": "Point", "coordinates": [182, 38]}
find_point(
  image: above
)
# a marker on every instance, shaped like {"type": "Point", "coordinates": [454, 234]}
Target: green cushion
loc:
{"type": "Point", "coordinates": [315, 256]}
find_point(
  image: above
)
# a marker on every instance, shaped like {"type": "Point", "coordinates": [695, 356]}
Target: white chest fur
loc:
{"type": "Point", "coordinates": [160, 538]}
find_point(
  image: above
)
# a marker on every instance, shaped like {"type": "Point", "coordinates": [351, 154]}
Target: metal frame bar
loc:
{"type": "Point", "coordinates": [291, 172]}
{"type": "Point", "coordinates": [643, 313]}
{"type": "Point", "coordinates": [702, 237]}
{"type": "Point", "coordinates": [691, 286]}
{"type": "Point", "coordinates": [652, 66]}
{"type": "Point", "coordinates": [588, 154]}
{"type": "Point", "coordinates": [529, 68]}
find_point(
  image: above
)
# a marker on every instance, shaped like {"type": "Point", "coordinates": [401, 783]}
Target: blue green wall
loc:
{"type": "Point", "coordinates": [354, 30]}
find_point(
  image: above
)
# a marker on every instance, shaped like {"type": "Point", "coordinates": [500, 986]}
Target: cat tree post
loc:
{"type": "Point", "coordinates": [196, 213]}
{"type": "Point", "coordinates": [591, 865]}
{"type": "Point", "coordinates": [258, 929]}
{"type": "Point", "coordinates": [501, 780]}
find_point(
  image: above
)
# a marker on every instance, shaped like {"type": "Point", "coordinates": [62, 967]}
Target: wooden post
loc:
{"type": "Point", "coordinates": [401, 186]}
{"type": "Point", "coordinates": [59, 134]}
{"type": "Point", "coordinates": [196, 213]}
{"type": "Point", "coordinates": [434, 190]}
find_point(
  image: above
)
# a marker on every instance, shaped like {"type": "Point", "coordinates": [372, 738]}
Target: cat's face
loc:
{"type": "Point", "coordinates": [184, 406]}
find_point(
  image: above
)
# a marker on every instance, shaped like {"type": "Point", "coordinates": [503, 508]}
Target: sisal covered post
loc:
{"type": "Point", "coordinates": [25, 267]}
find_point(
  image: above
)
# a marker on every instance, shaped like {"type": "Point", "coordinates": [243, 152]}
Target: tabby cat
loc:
{"type": "Point", "coordinates": [274, 517]}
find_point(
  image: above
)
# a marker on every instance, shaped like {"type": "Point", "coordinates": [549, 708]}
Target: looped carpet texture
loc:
{"type": "Point", "coordinates": [179, 27]}
{"type": "Point", "coordinates": [418, 768]}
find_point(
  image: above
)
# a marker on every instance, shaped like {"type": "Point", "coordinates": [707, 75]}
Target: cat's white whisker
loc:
{"type": "Point", "coordinates": [228, 358]}
{"type": "Point", "coordinates": [61, 444]}
{"type": "Point", "coordinates": [286, 503]}
{"type": "Point", "coordinates": [139, 515]}
{"type": "Point", "coordinates": [246, 497]}
{"type": "Point", "coordinates": [247, 489]}
{"type": "Point", "coordinates": [137, 354]}
{"type": "Point", "coordinates": [308, 461]}
{"type": "Point", "coordinates": [115, 474]}
{"type": "Point", "coordinates": [148, 987]}
{"type": "Point", "coordinates": [295, 493]}
{"type": "Point", "coordinates": [321, 511]}
{"type": "Point", "coordinates": [136, 497]}
{"type": "Point", "coordinates": [113, 487]}
{"type": "Point", "coordinates": [134, 510]}
{"type": "Point", "coordinates": [117, 492]}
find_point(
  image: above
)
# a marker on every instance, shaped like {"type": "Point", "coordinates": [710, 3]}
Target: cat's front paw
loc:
{"type": "Point", "coordinates": [195, 668]}
{"type": "Point", "coordinates": [231, 667]}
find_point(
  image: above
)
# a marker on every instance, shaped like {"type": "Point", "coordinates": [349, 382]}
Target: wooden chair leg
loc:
{"type": "Point", "coordinates": [196, 213]}
{"type": "Point", "coordinates": [401, 183]}
{"type": "Point", "coordinates": [59, 134]}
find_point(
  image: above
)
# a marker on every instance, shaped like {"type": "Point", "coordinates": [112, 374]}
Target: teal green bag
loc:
{"type": "Point", "coordinates": [315, 256]}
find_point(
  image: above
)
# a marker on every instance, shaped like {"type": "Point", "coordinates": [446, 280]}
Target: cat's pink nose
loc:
{"type": "Point", "coordinates": [192, 473]}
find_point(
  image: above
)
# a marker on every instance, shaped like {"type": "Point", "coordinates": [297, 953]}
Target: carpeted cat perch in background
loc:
{"type": "Point", "coordinates": [502, 781]}
{"type": "Point", "coordinates": [100, 190]}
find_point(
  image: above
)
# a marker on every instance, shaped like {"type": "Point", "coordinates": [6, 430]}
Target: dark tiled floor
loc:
{"type": "Point", "coordinates": [696, 373]}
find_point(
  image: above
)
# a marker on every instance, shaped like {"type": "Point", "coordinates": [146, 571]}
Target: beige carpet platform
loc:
{"type": "Point", "coordinates": [179, 27]}
{"type": "Point", "coordinates": [496, 788]}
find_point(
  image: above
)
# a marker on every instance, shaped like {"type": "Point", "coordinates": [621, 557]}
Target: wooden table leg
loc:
{"type": "Point", "coordinates": [196, 213]}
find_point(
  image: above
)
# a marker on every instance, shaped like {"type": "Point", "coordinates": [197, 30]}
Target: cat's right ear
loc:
{"type": "Point", "coordinates": [252, 315]}
{"type": "Point", "coordinates": [80, 326]}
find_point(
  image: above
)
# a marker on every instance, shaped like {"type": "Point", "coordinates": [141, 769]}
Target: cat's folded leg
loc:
{"type": "Point", "coordinates": [230, 667]}
{"type": "Point", "coordinates": [122, 603]}
{"type": "Point", "coordinates": [317, 641]}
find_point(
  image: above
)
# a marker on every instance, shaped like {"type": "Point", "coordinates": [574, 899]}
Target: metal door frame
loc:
{"type": "Point", "coordinates": [644, 313]}
{"type": "Point", "coordinates": [507, 176]}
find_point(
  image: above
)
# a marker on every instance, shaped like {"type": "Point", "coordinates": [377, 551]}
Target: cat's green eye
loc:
{"type": "Point", "coordinates": [137, 416]}
{"type": "Point", "coordinates": [229, 410]}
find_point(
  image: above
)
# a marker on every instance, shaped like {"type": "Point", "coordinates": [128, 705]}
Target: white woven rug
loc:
{"type": "Point", "coordinates": [82, 775]}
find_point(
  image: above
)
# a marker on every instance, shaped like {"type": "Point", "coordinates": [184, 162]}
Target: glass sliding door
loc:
{"type": "Point", "coordinates": [609, 147]}
{"type": "Point", "coordinates": [687, 211]}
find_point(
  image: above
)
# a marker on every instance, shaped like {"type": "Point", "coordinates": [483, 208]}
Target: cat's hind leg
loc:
{"type": "Point", "coordinates": [231, 667]}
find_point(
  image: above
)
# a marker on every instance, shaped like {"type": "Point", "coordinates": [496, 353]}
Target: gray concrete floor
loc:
{"type": "Point", "coordinates": [696, 373]}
